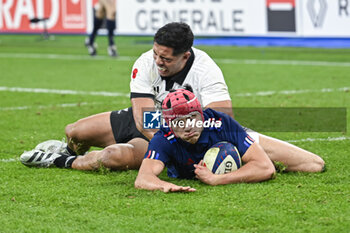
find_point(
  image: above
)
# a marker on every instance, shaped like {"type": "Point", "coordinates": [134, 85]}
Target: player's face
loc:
{"type": "Point", "coordinates": [167, 64]}
{"type": "Point", "coordinates": [186, 127]}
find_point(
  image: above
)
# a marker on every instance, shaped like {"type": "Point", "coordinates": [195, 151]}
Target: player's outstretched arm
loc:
{"type": "Point", "coordinates": [258, 167]}
{"type": "Point", "coordinates": [147, 178]}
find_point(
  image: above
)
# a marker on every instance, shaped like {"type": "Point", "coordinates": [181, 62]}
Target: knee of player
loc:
{"type": "Point", "coordinates": [270, 170]}
{"type": "Point", "coordinates": [137, 183]}
{"type": "Point", "coordinates": [319, 164]}
{"type": "Point", "coordinates": [75, 131]}
{"type": "Point", "coordinates": [112, 157]}
{"type": "Point", "coordinates": [69, 130]}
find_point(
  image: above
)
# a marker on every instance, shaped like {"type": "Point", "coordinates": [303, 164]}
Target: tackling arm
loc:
{"type": "Point", "coordinates": [138, 106]}
{"type": "Point", "coordinates": [147, 178]}
{"type": "Point", "coordinates": [224, 106]}
{"type": "Point", "coordinates": [258, 167]}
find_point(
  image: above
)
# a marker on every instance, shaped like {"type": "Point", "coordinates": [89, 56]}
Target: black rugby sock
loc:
{"type": "Point", "coordinates": [70, 151]}
{"type": "Point", "coordinates": [64, 161]}
{"type": "Point", "coordinates": [110, 24]}
{"type": "Point", "coordinates": [97, 25]}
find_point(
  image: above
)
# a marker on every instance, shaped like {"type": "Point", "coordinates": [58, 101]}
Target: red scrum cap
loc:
{"type": "Point", "coordinates": [180, 103]}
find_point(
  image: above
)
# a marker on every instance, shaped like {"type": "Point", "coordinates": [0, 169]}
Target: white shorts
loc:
{"type": "Point", "coordinates": [252, 133]}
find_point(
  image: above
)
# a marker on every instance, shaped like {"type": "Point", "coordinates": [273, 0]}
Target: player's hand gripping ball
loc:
{"type": "Point", "coordinates": [222, 158]}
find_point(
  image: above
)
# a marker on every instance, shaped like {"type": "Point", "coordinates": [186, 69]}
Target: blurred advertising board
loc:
{"type": "Point", "coordinates": [285, 18]}
{"type": "Point", "coordinates": [292, 18]}
{"type": "Point", "coordinates": [63, 16]}
{"type": "Point", "coordinates": [206, 17]}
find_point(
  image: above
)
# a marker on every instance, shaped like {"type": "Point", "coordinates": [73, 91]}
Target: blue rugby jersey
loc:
{"type": "Point", "coordinates": [180, 156]}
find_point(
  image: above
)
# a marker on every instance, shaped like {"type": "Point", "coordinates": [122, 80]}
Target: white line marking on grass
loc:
{"type": "Point", "coordinates": [65, 105]}
{"type": "Point", "coordinates": [8, 160]}
{"type": "Point", "coordinates": [292, 92]}
{"type": "Point", "coordinates": [283, 62]}
{"type": "Point", "coordinates": [15, 108]}
{"type": "Point", "coordinates": [329, 139]}
{"type": "Point", "coordinates": [219, 60]}
{"type": "Point", "coordinates": [113, 94]}
{"type": "Point", "coordinates": [62, 56]}
{"type": "Point", "coordinates": [66, 92]}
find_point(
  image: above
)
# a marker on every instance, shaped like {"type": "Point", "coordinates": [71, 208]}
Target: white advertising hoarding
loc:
{"type": "Point", "coordinates": [292, 18]}
{"type": "Point", "coordinates": [284, 18]}
{"type": "Point", "coordinates": [206, 17]}
{"type": "Point", "coordinates": [324, 18]}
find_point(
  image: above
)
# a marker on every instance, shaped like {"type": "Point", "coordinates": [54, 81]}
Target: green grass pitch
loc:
{"type": "Point", "coordinates": [59, 200]}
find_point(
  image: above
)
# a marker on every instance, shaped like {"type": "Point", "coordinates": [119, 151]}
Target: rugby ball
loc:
{"type": "Point", "coordinates": [222, 158]}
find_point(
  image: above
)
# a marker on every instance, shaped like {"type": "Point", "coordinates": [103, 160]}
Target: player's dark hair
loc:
{"type": "Point", "coordinates": [177, 36]}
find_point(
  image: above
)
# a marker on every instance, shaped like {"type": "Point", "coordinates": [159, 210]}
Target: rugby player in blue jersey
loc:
{"type": "Point", "coordinates": [181, 147]}
{"type": "Point", "coordinates": [172, 63]}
